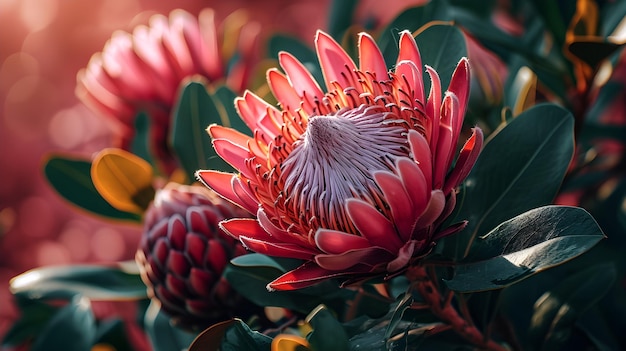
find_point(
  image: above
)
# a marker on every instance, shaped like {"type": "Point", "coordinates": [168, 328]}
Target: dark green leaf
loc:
{"type": "Point", "coordinates": [525, 245]}
{"type": "Point", "coordinates": [225, 98]}
{"type": "Point", "coordinates": [93, 282]}
{"type": "Point", "coordinates": [71, 178]}
{"type": "Point", "coordinates": [441, 47]}
{"type": "Point", "coordinates": [73, 328]}
{"type": "Point", "coordinates": [411, 19]}
{"type": "Point", "coordinates": [162, 334]}
{"type": "Point", "coordinates": [521, 168]}
{"type": "Point", "coordinates": [397, 314]}
{"type": "Point", "coordinates": [611, 15]}
{"type": "Point", "coordinates": [33, 319]}
{"type": "Point", "coordinates": [239, 337]}
{"type": "Point", "coordinates": [194, 112]}
{"type": "Point", "coordinates": [327, 334]}
{"type": "Point", "coordinates": [302, 52]}
{"type": "Point", "coordinates": [250, 274]}
{"type": "Point", "coordinates": [112, 332]}
{"type": "Point", "coordinates": [340, 17]}
{"type": "Point", "coordinates": [141, 143]}
{"type": "Point", "coordinates": [556, 312]}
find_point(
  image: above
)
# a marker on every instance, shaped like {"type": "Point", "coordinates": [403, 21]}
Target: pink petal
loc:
{"type": "Point", "coordinates": [235, 155]}
{"type": "Point", "coordinates": [433, 106]}
{"type": "Point", "coordinates": [254, 112]}
{"type": "Point", "coordinates": [221, 183]}
{"type": "Point", "coordinates": [333, 60]}
{"type": "Point", "coordinates": [299, 76]}
{"type": "Point", "coordinates": [277, 249]}
{"type": "Point", "coordinates": [337, 242]}
{"type": "Point", "coordinates": [304, 276]}
{"type": "Point", "coordinates": [217, 131]}
{"type": "Point", "coordinates": [370, 58]}
{"type": "Point", "coordinates": [248, 227]}
{"type": "Point", "coordinates": [460, 84]}
{"type": "Point", "coordinates": [404, 256]}
{"type": "Point", "coordinates": [277, 233]}
{"type": "Point", "coordinates": [370, 256]}
{"type": "Point", "coordinates": [245, 196]}
{"type": "Point", "coordinates": [282, 90]}
{"type": "Point", "coordinates": [446, 144]}
{"type": "Point", "coordinates": [410, 52]}
{"type": "Point", "coordinates": [466, 160]}
{"type": "Point", "coordinates": [401, 206]}
{"type": "Point", "coordinates": [433, 210]}
{"type": "Point", "coordinates": [407, 70]}
{"type": "Point", "coordinates": [211, 53]}
{"type": "Point", "coordinates": [415, 184]}
{"type": "Point", "coordinates": [372, 225]}
{"type": "Point", "coordinates": [422, 154]}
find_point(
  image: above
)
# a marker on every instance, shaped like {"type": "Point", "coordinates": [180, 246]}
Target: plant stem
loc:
{"type": "Point", "coordinates": [442, 308]}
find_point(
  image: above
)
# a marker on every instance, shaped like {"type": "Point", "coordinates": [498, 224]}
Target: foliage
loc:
{"type": "Point", "coordinates": [525, 273]}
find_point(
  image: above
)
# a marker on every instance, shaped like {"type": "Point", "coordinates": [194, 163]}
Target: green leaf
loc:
{"type": "Point", "coordinates": [194, 112]}
{"type": "Point", "coordinates": [71, 178]}
{"type": "Point", "coordinates": [250, 274]}
{"type": "Point", "coordinates": [239, 337]}
{"type": "Point", "coordinates": [556, 312]}
{"type": "Point", "coordinates": [397, 314]}
{"type": "Point", "coordinates": [327, 334]}
{"type": "Point", "coordinates": [525, 245]}
{"type": "Point", "coordinates": [112, 333]}
{"type": "Point", "coordinates": [93, 282]}
{"type": "Point", "coordinates": [225, 98]}
{"type": "Point", "coordinates": [441, 47]}
{"type": "Point", "coordinates": [141, 144]}
{"type": "Point", "coordinates": [411, 19]}
{"type": "Point", "coordinates": [162, 334]}
{"type": "Point", "coordinates": [521, 168]}
{"type": "Point", "coordinates": [340, 17]}
{"type": "Point", "coordinates": [73, 328]}
{"type": "Point", "coordinates": [33, 319]}
{"type": "Point", "coordinates": [302, 52]}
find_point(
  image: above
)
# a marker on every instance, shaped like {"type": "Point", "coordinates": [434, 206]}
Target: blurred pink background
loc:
{"type": "Point", "coordinates": [43, 44]}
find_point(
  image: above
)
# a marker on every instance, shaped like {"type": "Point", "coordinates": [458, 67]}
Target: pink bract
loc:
{"type": "Point", "coordinates": [354, 179]}
{"type": "Point", "coordinates": [143, 72]}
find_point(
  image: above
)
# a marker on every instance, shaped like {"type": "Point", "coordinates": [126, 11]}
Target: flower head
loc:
{"type": "Point", "coordinates": [142, 71]}
{"type": "Point", "coordinates": [183, 253]}
{"type": "Point", "coordinates": [356, 180]}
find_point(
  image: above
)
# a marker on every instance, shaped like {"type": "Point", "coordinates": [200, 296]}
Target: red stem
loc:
{"type": "Point", "coordinates": [442, 308]}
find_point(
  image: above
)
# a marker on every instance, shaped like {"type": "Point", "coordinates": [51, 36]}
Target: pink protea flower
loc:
{"type": "Point", "coordinates": [355, 181]}
{"type": "Point", "coordinates": [183, 253]}
{"type": "Point", "coordinates": [142, 71]}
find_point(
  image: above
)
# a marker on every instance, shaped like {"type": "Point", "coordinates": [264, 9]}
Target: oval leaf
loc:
{"type": "Point", "coordinates": [93, 282]}
{"type": "Point", "coordinates": [194, 112]}
{"type": "Point", "coordinates": [73, 328]}
{"type": "Point", "coordinates": [556, 312]}
{"type": "Point", "coordinates": [525, 245]}
{"type": "Point", "coordinates": [123, 179]}
{"type": "Point", "coordinates": [327, 334]}
{"type": "Point", "coordinates": [441, 47]}
{"type": "Point", "coordinates": [521, 168]}
{"type": "Point", "coordinates": [240, 337]}
{"type": "Point", "coordinates": [71, 178]}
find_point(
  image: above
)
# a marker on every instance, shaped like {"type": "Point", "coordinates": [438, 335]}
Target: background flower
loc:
{"type": "Point", "coordinates": [354, 181]}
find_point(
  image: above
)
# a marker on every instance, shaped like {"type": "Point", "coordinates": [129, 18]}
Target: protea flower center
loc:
{"type": "Point", "coordinates": [334, 160]}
